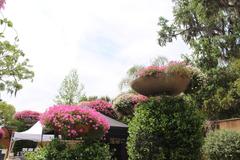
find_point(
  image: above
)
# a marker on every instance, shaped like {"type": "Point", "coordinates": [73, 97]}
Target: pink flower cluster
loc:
{"type": "Point", "coordinates": [27, 116]}
{"type": "Point", "coordinates": [156, 70]}
{"type": "Point", "coordinates": [138, 99]}
{"type": "Point", "coordinates": [125, 104]}
{"type": "Point", "coordinates": [1, 133]}
{"type": "Point", "coordinates": [2, 3]}
{"type": "Point", "coordinates": [151, 70]}
{"type": "Point", "coordinates": [101, 106]}
{"type": "Point", "coordinates": [74, 122]}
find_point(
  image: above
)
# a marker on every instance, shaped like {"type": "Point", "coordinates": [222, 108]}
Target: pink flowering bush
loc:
{"type": "Point", "coordinates": [27, 116]}
{"type": "Point", "coordinates": [101, 106]}
{"type": "Point", "coordinates": [172, 67]}
{"type": "Point", "coordinates": [125, 104]}
{"type": "Point", "coordinates": [74, 122]}
{"type": "Point", "coordinates": [1, 133]}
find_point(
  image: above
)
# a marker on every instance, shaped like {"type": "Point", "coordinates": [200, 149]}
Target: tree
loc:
{"type": "Point", "coordinates": [6, 113]}
{"type": "Point", "coordinates": [71, 90]}
{"type": "Point", "coordinates": [14, 67]}
{"type": "Point", "coordinates": [212, 30]}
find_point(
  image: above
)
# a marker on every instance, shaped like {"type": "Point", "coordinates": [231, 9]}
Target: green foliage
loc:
{"type": "Point", "coordinates": [39, 154]}
{"type": "Point", "coordinates": [13, 66]}
{"type": "Point", "coordinates": [219, 97]}
{"type": "Point", "coordinates": [82, 151]}
{"type": "Point", "coordinates": [211, 28]}
{"type": "Point", "coordinates": [166, 128]}
{"type": "Point", "coordinates": [70, 91]}
{"type": "Point", "coordinates": [7, 111]}
{"type": "Point", "coordinates": [221, 144]}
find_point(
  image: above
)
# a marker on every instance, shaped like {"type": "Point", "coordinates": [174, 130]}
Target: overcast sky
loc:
{"type": "Point", "coordinates": [99, 38]}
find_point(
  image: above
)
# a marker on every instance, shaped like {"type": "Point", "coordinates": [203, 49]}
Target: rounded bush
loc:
{"type": "Point", "coordinates": [222, 144]}
{"type": "Point", "coordinates": [166, 128]}
{"type": "Point", "coordinates": [74, 122]}
{"type": "Point", "coordinates": [125, 104]}
{"type": "Point", "coordinates": [101, 106]}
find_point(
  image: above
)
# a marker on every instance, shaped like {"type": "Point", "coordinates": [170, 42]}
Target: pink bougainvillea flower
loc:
{"type": "Point", "coordinates": [74, 122]}
{"type": "Point", "coordinates": [125, 104]}
{"type": "Point", "coordinates": [101, 106]}
{"type": "Point", "coordinates": [27, 116]}
{"type": "Point", "coordinates": [151, 71]}
{"type": "Point", "coordinates": [2, 4]}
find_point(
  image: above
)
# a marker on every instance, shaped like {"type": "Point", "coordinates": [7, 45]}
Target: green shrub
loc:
{"type": "Point", "coordinates": [168, 128]}
{"type": "Point", "coordinates": [39, 154]}
{"type": "Point", "coordinates": [58, 150]}
{"type": "Point", "coordinates": [222, 145]}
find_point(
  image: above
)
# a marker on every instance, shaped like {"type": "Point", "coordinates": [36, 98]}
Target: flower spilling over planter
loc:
{"type": "Point", "coordinates": [1, 133]}
{"type": "Point", "coordinates": [74, 122]}
{"type": "Point", "coordinates": [171, 79]}
{"type": "Point", "coordinates": [101, 106]}
{"type": "Point", "coordinates": [173, 67]}
{"type": "Point", "coordinates": [28, 116]}
{"type": "Point", "coordinates": [126, 103]}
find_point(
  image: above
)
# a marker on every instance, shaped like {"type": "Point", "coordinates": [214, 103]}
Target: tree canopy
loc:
{"type": "Point", "coordinates": [6, 113]}
{"type": "Point", "coordinates": [14, 67]}
{"type": "Point", "coordinates": [71, 89]}
{"type": "Point", "coordinates": [210, 27]}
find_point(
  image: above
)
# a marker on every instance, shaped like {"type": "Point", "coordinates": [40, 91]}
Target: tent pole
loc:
{"type": "Point", "coordinates": [12, 142]}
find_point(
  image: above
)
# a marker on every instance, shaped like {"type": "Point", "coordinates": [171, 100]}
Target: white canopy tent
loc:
{"type": "Point", "coordinates": [35, 133]}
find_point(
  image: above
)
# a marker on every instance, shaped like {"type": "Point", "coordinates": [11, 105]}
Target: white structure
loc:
{"type": "Point", "coordinates": [35, 133]}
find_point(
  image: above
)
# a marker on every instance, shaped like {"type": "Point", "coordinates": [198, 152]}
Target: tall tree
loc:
{"type": "Point", "coordinates": [14, 67]}
{"type": "Point", "coordinates": [212, 29]}
{"type": "Point", "coordinates": [71, 89]}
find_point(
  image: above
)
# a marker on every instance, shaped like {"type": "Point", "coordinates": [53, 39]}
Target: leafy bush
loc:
{"type": "Point", "coordinates": [168, 128]}
{"type": "Point", "coordinates": [101, 106]}
{"type": "Point", "coordinates": [74, 122]}
{"type": "Point", "coordinates": [222, 144]}
{"type": "Point", "coordinates": [58, 150]}
{"type": "Point", "coordinates": [39, 154]}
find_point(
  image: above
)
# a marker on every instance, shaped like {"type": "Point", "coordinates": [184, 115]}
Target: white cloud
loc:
{"type": "Point", "coordinates": [101, 39]}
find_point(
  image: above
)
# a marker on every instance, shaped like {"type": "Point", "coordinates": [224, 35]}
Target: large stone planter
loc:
{"type": "Point", "coordinates": [162, 84]}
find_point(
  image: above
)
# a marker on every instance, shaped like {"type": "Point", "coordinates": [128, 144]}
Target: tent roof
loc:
{"type": "Point", "coordinates": [33, 134]}
{"type": "Point", "coordinates": [115, 123]}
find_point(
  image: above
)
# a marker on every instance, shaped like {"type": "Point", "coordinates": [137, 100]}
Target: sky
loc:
{"type": "Point", "coordinates": [101, 39]}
